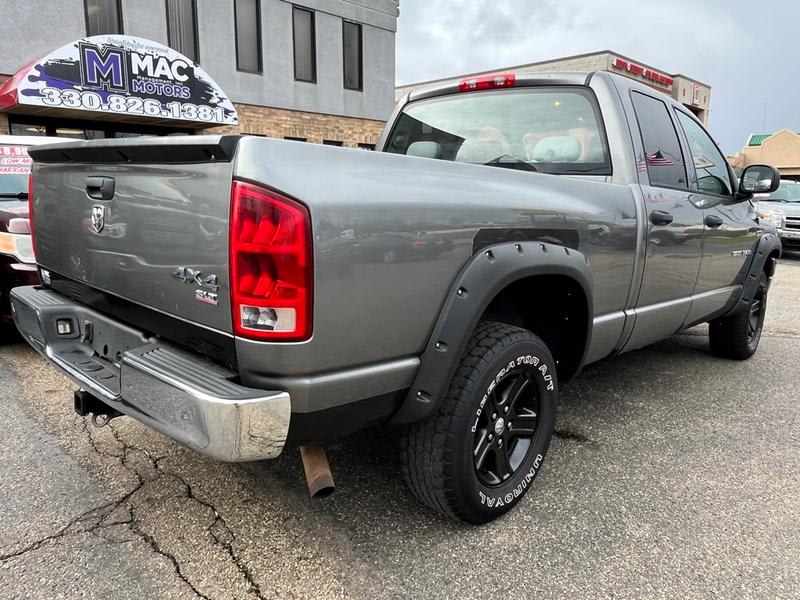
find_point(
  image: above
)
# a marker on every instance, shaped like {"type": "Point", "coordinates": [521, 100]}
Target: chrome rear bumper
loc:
{"type": "Point", "coordinates": [173, 391]}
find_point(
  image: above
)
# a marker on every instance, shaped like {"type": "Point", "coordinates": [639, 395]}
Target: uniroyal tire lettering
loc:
{"type": "Point", "coordinates": [497, 502]}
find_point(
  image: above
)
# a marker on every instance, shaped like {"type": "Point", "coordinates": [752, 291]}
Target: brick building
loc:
{"type": "Point", "coordinates": [314, 70]}
{"type": "Point", "coordinates": [781, 149]}
{"type": "Point", "coordinates": [693, 94]}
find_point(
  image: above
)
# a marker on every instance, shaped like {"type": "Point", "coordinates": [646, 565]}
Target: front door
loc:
{"type": "Point", "coordinates": [674, 227]}
{"type": "Point", "coordinates": [731, 231]}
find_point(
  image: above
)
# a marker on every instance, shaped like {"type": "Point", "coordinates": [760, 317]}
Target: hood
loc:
{"type": "Point", "coordinates": [12, 209]}
{"type": "Point", "coordinates": [787, 209]}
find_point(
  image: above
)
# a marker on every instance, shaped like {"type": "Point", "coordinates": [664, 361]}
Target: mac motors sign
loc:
{"type": "Point", "coordinates": [123, 75]}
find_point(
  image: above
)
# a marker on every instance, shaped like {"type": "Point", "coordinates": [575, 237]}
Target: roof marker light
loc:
{"type": "Point", "coordinates": [488, 82]}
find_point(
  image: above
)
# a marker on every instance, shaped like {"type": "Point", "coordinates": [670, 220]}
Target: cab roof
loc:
{"type": "Point", "coordinates": [522, 80]}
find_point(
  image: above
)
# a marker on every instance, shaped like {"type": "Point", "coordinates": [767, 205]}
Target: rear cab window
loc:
{"type": "Point", "coordinates": [550, 129]}
{"type": "Point", "coordinates": [663, 160]}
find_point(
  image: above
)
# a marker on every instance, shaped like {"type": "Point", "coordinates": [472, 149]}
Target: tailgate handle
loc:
{"type": "Point", "coordinates": [100, 188]}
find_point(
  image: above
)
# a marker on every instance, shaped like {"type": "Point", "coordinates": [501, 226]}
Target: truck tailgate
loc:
{"type": "Point", "coordinates": [145, 220]}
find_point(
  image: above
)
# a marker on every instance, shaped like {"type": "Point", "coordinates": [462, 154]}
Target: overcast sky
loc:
{"type": "Point", "coordinates": [747, 51]}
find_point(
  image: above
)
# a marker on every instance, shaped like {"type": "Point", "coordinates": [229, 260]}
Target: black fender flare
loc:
{"type": "Point", "coordinates": [767, 244]}
{"type": "Point", "coordinates": [484, 276]}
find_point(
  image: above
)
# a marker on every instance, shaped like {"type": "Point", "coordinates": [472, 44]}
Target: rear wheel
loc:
{"type": "Point", "coordinates": [737, 337]}
{"type": "Point", "coordinates": [476, 458]}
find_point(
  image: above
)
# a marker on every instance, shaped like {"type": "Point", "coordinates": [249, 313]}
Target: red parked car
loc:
{"type": "Point", "coordinates": [17, 263]}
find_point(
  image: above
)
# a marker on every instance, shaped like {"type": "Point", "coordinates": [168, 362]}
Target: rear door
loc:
{"type": "Point", "coordinates": [730, 227]}
{"type": "Point", "coordinates": [674, 226]}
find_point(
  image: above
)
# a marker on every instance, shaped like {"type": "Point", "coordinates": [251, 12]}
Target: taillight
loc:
{"type": "Point", "coordinates": [488, 82]}
{"type": "Point", "coordinates": [30, 213]}
{"type": "Point", "coordinates": [271, 265]}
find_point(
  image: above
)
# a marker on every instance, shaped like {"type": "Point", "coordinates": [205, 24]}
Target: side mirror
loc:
{"type": "Point", "coordinates": [759, 179]}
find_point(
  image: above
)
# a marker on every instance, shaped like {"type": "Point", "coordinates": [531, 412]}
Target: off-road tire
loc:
{"type": "Point", "coordinates": [735, 337]}
{"type": "Point", "coordinates": [438, 454]}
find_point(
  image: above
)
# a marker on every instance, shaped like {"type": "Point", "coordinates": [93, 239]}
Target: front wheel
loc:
{"type": "Point", "coordinates": [477, 457]}
{"type": "Point", "coordinates": [737, 336]}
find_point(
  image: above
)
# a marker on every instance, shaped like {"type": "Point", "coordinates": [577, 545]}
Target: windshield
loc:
{"type": "Point", "coordinates": [15, 168]}
{"type": "Point", "coordinates": [545, 129]}
{"type": "Point", "coordinates": [789, 191]}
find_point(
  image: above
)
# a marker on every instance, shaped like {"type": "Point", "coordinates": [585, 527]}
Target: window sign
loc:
{"type": "Point", "coordinates": [14, 160]}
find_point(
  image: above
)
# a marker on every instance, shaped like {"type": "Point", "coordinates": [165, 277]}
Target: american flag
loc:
{"type": "Point", "coordinates": [658, 160]}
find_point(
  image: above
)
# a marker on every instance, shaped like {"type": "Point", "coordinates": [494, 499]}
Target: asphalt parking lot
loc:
{"type": "Point", "coordinates": [673, 475]}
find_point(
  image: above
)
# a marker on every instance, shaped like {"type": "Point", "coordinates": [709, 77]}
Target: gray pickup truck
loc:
{"type": "Point", "coordinates": [241, 294]}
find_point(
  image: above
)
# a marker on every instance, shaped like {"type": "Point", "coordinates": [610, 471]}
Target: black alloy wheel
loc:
{"type": "Point", "coordinates": [756, 321]}
{"type": "Point", "coordinates": [737, 336]}
{"type": "Point", "coordinates": [479, 454]}
{"type": "Point", "coordinates": [506, 428]}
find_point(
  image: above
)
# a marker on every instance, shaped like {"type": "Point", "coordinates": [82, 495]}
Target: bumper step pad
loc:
{"type": "Point", "coordinates": [181, 394]}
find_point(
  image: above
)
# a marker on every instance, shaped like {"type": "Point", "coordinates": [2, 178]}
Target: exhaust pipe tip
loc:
{"type": "Point", "coordinates": [318, 472]}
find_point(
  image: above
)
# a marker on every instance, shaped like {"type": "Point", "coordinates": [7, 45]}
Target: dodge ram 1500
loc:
{"type": "Point", "coordinates": [240, 294]}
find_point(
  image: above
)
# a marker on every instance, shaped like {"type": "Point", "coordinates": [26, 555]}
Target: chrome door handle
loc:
{"type": "Point", "coordinates": [660, 217]}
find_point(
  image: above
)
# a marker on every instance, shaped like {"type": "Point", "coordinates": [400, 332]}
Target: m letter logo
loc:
{"type": "Point", "coordinates": [103, 69]}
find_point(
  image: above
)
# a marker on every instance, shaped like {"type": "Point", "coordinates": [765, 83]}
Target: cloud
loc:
{"type": "Point", "coordinates": [735, 47]}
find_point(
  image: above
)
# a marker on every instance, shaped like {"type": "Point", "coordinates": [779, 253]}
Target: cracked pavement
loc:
{"type": "Point", "coordinates": [672, 474]}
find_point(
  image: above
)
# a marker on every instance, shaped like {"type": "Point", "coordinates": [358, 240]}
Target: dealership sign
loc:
{"type": "Point", "coordinates": [121, 75]}
{"type": "Point", "coordinates": [649, 74]}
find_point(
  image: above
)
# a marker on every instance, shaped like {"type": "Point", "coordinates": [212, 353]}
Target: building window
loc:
{"type": "Point", "coordinates": [295, 139]}
{"type": "Point", "coordinates": [353, 56]}
{"type": "Point", "coordinates": [332, 143]}
{"type": "Point", "coordinates": [182, 27]}
{"type": "Point", "coordinates": [248, 35]}
{"type": "Point", "coordinates": [370, 147]}
{"type": "Point", "coordinates": [84, 130]}
{"type": "Point", "coordinates": [27, 129]}
{"type": "Point", "coordinates": [103, 17]}
{"type": "Point", "coordinates": [305, 45]}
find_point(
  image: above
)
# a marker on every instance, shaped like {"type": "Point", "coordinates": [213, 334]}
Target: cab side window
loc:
{"type": "Point", "coordinates": [663, 159]}
{"type": "Point", "coordinates": [712, 168]}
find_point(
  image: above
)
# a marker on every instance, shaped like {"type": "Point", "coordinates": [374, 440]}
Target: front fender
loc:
{"type": "Point", "coordinates": [767, 245]}
{"type": "Point", "coordinates": [487, 273]}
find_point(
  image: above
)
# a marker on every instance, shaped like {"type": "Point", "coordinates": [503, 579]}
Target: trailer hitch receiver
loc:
{"type": "Point", "coordinates": [101, 413]}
